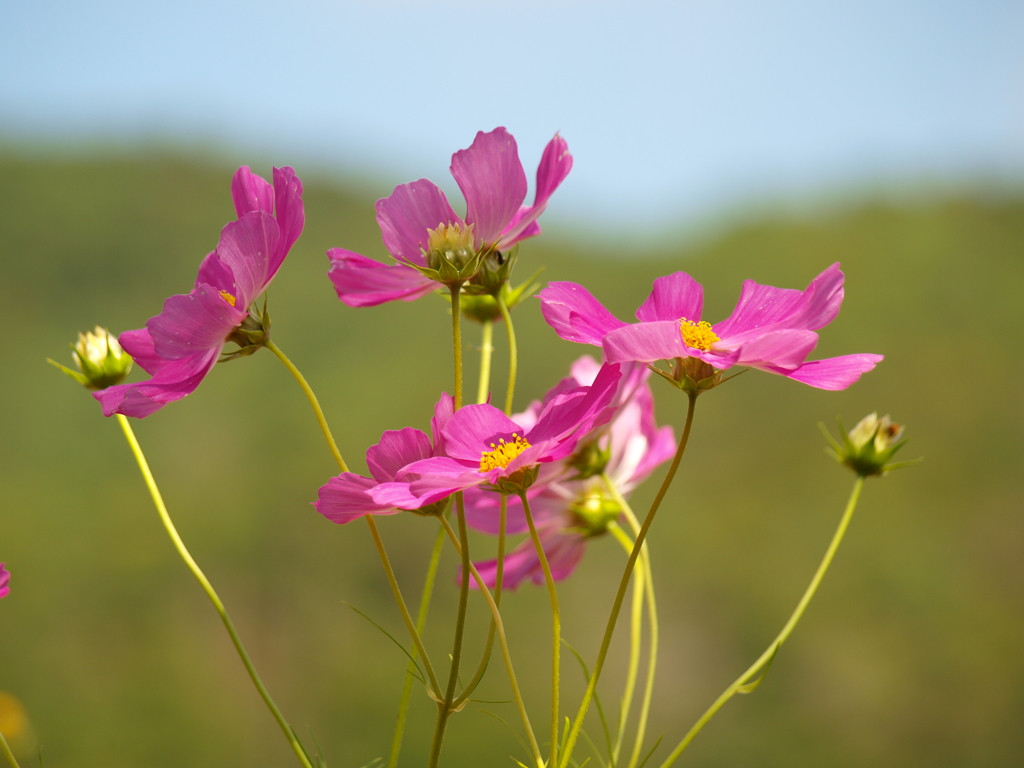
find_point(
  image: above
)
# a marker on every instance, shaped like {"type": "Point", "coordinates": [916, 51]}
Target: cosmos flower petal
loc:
{"type": "Point", "coordinates": [575, 314]}
{"type": "Point", "coordinates": [407, 214]}
{"type": "Point", "coordinates": [5, 580]}
{"type": "Point", "coordinates": [579, 414]}
{"type": "Point", "coordinates": [645, 342]}
{"type": "Point", "coordinates": [247, 247]}
{"type": "Point", "coordinates": [555, 164]}
{"type": "Point", "coordinates": [346, 497]}
{"type": "Point", "coordinates": [443, 411]}
{"type": "Point", "coordinates": [289, 213]}
{"type": "Point", "coordinates": [834, 373]}
{"type": "Point", "coordinates": [673, 297]}
{"type": "Point", "coordinates": [492, 181]}
{"type": "Point", "coordinates": [216, 273]}
{"type": "Point", "coordinates": [174, 381]}
{"type": "Point", "coordinates": [563, 550]}
{"type": "Point", "coordinates": [473, 428]}
{"type": "Point", "coordinates": [782, 350]}
{"type": "Point", "coordinates": [250, 193]}
{"type": "Point", "coordinates": [764, 307]}
{"type": "Point", "coordinates": [396, 449]}
{"type": "Point", "coordinates": [193, 323]}
{"type": "Point", "coordinates": [363, 282]}
{"type": "Point", "coordinates": [139, 344]}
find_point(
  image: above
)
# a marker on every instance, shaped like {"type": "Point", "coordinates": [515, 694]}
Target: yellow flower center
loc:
{"type": "Point", "coordinates": [697, 335]}
{"type": "Point", "coordinates": [228, 298]}
{"type": "Point", "coordinates": [502, 454]}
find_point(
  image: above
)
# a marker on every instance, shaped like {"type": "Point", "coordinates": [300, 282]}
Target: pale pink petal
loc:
{"type": "Point", "coordinates": [834, 373]}
{"type": "Point", "coordinates": [251, 193]}
{"type": "Point", "coordinates": [492, 182]}
{"type": "Point", "coordinates": [563, 550]}
{"type": "Point", "coordinates": [396, 449]}
{"type": "Point", "coordinates": [5, 580]}
{"type": "Point", "coordinates": [555, 164]}
{"type": "Point", "coordinates": [673, 297]}
{"type": "Point", "coordinates": [363, 282]}
{"type": "Point", "coordinates": [407, 214]}
{"type": "Point", "coordinates": [575, 314]}
{"type": "Point", "coordinates": [193, 323]}
{"type": "Point", "coordinates": [345, 498]}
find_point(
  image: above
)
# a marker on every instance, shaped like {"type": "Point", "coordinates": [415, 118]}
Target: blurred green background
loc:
{"type": "Point", "coordinates": [910, 655]}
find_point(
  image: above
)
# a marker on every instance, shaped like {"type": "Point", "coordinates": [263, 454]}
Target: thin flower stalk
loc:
{"type": "Point", "coordinates": [755, 673]}
{"type": "Point", "coordinates": [6, 749]}
{"type": "Point", "coordinates": [179, 545]}
{"type": "Point", "coordinates": [652, 620]}
{"type": "Point", "coordinates": [556, 627]}
{"type": "Point", "coordinates": [486, 350]}
{"type": "Point", "coordinates": [635, 639]}
{"type": "Point", "coordinates": [378, 542]}
{"type": "Point", "coordinates": [624, 584]}
{"type": "Point", "coordinates": [457, 344]}
{"type": "Point", "coordinates": [513, 355]}
{"type": "Point", "coordinates": [503, 642]}
{"type": "Point", "coordinates": [421, 623]}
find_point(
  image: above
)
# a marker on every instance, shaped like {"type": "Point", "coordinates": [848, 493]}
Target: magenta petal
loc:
{"type": "Point", "coordinates": [139, 344]}
{"type": "Point", "coordinates": [193, 323]}
{"type": "Point", "coordinates": [575, 314]}
{"type": "Point", "coordinates": [5, 580]}
{"type": "Point", "coordinates": [407, 214]}
{"type": "Point", "coordinates": [673, 297]}
{"type": "Point", "coordinates": [492, 181]}
{"type": "Point", "coordinates": [251, 193]}
{"type": "Point", "coordinates": [764, 306]}
{"type": "Point", "coordinates": [289, 213]}
{"type": "Point", "coordinates": [473, 428]}
{"type": "Point", "coordinates": [216, 273]}
{"type": "Point", "coordinates": [562, 550]}
{"type": "Point", "coordinates": [247, 247]}
{"type": "Point", "coordinates": [555, 164]}
{"type": "Point", "coordinates": [363, 282]}
{"type": "Point", "coordinates": [396, 449]}
{"type": "Point", "coordinates": [174, 381]}
{"type": "Point", "coordinates": [645, 342]}
{"type": "Point", "coordinates": [783, 350]}
{"type": "Point", "coordinates": [834, 373]}
{"type": "Point", "coordinates": [578, 413]}
{"type": "Point", "coordinates": [443, 411]}
{"type": "Point", "coordinates": [345, 498]}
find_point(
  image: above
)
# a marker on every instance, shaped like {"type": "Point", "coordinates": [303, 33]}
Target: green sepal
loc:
{"type": "Point", "coordinates": [79, 377]}
{"type": "Point", "coordinates": [752, 685]}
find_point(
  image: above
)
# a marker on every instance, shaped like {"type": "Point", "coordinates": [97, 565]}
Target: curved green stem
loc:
{"type": "Point", "coordinates": [486, 348]}
{"type": "Point", "coordinates": [179, 545]}
{"type": "Point", "coordinates": [513, 354]}
{"type": "Point", "coordinates": [498, 582]}
{"type": "Point", "coordinates": [503, 643]}
{"type": "Point", "coordinates": [652, 619]}
{"type": "Point", "coordinates": [635, 638]}
{"type": "Point", "coordinates": [457, 343]}
{"type": "Point", "coordinates": [371, 524]}
{"type": "Point", "coordinates": [624, 584]}
{"type": "Point", "coordinates": [320, 418]}
{"type": "Point", "coordinates": [421, 623]}
{"type": "Point", "coordinates": [445, 709]}
{"type": "Point", "coordinates": [556, 626]}
{"type": "Point", "coordinates": [7, 751]}
{"type": "Point", "coordinates": [765, 659]}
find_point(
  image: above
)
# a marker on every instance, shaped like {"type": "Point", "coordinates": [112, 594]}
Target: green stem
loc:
{"type": "Point", "coordinates": [486, 348]}
{"type": "Point", "coordinates": [457, 343]}
{"type": "Point", "coordinates": [7, 752]}
{"type": "Point", "coordinates": [635, 639]}
{"type": "Point", "coordinates": [498, 582]}
{"type": "Point", "coordinates": [421, 623]}
{"type": "Point", "coordinates": [513, 354]}
{"type": "Point", "coordinates": [652, 619]}
{"type": "Point", "coordinates": [165, 517]}
{"type": "Point", "coordinates": [371, 524]}
{"type": "Point", "coordinates": [624, 583]}
{"type": "Point", "coordinates": [445, 708]}
{"type": "Point", "coordinates": [556, 626]}
{"type": "Point", "coordinates": [503, 643]}
{"type": "Point", "coordinates": [761, 665]}
{"type": "Point", "coordinates": [321, 420]}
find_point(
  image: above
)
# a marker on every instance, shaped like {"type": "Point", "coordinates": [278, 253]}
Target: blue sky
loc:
{"type": "Point", "coordinates": [673, 111]}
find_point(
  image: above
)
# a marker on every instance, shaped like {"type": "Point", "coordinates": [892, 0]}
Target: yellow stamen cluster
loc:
{"type": "Point", "coordinates": [697, 335]}
{"type": "Point", "coordinates": [503, 453]}
{"type": "Point", "coordinates": [228, 298]}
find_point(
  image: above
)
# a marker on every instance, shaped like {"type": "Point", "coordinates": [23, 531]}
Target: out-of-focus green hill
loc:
{"type": "Point", "coordinates": [910, 655]}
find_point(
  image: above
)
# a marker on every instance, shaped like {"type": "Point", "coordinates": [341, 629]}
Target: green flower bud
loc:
{"type": "Point", "coordinates": [594, 512]}
{"type": "Point", "coordinates": [589, 460]}
{"type": "Point", "coordinates": [868, 448]}
{"type": "Point", "coordinates": [100, 359]}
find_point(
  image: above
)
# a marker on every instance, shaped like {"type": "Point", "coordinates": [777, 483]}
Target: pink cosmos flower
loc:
{"type": "Point", "coordinates": [571, 504]}
{"type": "Point", "coordinates": [347, 497]}
{"type": "Point", "coordinates": [5, 580]}
{"type": "Point", "coordinates": [493, 183]}
{"type": "Point", "coordinates": [179, 346]}
{"type": "Point", "coordinates": [771, 329]}
{"type": "Point", "coordinates": [484, 447]}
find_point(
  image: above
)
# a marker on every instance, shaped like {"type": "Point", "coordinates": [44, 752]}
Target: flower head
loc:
{"type": "Point", "coordinates": [868, 448]}
{"type": "Point", "coordinates": [5, 580]}
{"type": "Point", "coordinates": [180, 346]}
{"type": "Point", "coordinates": [100, 359]}
{"type": "Point", "coordinates": [771, 329]}
{"type": "Point", "coordinates": [434, 245]}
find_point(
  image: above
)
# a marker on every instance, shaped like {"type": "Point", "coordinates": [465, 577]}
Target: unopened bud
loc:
{"type": "Point", "coordinates": [594, 512]}
{"type": "Point", "coordinates": [868, 448]}
{"type": "Point", "coordinates": [100, 359]}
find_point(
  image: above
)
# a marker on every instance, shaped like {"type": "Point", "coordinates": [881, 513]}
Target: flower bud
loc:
{"type": "Point", "coordinates": [100, 359]}
{"type": "Point", "coordinates": [594, 512]}
{"type": "Point", "coordinates": [589, 460]}
{"type": "Point", "coordinates": [868, 448]}
{"type": "Point", "coordinates": [479, 298]}
{"type": "Point", "coordinates": [450, 255]}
